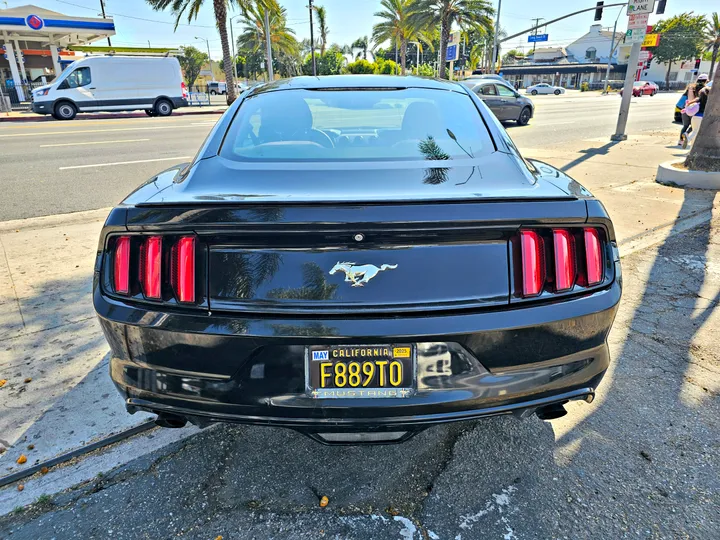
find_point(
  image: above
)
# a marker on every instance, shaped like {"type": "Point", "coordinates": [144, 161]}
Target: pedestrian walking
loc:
{"type": "Point", "coordinates": [700, 92]}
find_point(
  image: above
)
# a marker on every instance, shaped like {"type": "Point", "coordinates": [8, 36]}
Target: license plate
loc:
{"type": "Point", "coordinates": [361, 371]}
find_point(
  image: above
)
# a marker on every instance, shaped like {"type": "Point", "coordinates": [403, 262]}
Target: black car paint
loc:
{"type": "Point", "coordinates": [475, 359]}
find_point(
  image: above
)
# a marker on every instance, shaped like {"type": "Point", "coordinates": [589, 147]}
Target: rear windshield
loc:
{"type": "Point", "coordinates": [357, 125]}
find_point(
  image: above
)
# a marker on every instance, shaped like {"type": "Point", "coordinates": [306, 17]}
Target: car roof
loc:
{"type": "Point", "coordinates": [349, 82]}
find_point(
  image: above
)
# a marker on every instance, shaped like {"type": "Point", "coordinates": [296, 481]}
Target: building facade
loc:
{"type": "Point", "coordinates": [34, 43]}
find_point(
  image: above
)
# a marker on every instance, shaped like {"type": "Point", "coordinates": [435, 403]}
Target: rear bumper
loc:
{"type": "Point", "coordinates": [179, 102]}
{"type": "Point", "coordinates": [252, 370]}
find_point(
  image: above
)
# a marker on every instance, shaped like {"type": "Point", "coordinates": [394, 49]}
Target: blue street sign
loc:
{"type": "Point", "coordinates": [539, 37]}
{"type": "Point", "coordinates": [452, 53]}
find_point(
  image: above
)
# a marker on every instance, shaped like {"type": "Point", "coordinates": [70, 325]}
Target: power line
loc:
{"type": "Point", "coordinates": [133, 17]}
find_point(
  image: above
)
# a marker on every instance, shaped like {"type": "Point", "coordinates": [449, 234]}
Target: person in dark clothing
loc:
{"type": "Point", "coordinates": [701, 93]}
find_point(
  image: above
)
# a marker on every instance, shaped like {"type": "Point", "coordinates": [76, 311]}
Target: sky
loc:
{"type": "Point", "coordinates": [137, 24]}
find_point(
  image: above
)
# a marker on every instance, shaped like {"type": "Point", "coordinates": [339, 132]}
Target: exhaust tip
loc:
{"type": "Point", "coordinates": [171, 421]}
{"type": "Point", "coordinates": [551, 412]}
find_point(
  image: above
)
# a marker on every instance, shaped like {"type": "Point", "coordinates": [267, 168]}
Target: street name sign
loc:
{"type": "Point", "coordinates": [638, 21]}
{"type": "Point", "coordinates": [636, 7]}
{"type": "Point", "coordinates": [539, 37]}
{"type": "Point", "coordinates": [453, 52]}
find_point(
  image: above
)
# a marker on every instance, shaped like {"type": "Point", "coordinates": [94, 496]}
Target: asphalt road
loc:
{"type": "Point", "coordinates": [642, 461]}
{"type": "Point", "coordinates": [60, 167]}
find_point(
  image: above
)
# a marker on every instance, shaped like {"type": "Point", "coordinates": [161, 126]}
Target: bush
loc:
{"type": "Point", "coordinates": [330, 63]}
{"type": "Point", "coordinates": [424, 70]}
{"type": "Point", "coordinates": [360, 67]}
{"type": "Point", "coordinates": [386, 67]}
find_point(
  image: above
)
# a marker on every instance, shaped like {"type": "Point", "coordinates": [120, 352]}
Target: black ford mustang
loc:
{"type": "Point", "coordinates": [357, 258]}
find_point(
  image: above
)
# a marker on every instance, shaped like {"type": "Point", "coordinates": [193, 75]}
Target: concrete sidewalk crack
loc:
{"type": "Point", "coordinates": [12, 283]}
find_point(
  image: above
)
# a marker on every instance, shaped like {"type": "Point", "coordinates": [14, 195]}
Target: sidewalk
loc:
{"type": "Point", "coordinates": [29, 116]}
{"type": "Point", "coordinates": [49, 333]}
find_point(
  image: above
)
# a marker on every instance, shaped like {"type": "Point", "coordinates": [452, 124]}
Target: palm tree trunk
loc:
{"type": "Point", "coordinates": [444, 38]}
{"type": "Point", "coordinates": [221, 21]}
{"type": "Point", "coordinates": [705, 152]}
{"type": "Point", "coordinates": [403, 55]}
{"type": "Point", "coordinates": [715, 51]}
{"type": "Point", "coordinates": [667, 75]}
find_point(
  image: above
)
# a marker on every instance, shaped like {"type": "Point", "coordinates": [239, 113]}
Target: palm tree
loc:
{"type": "Point", "coordinates": [253, 37]}
{"type": "Point", "coordinates": [264, 8]}
{"type": "Point", "coordinates": [322, 26]}
{"type": "Point", "coordinates": [399, 25]}
{"type": "Point", "coordinates": [712, 40]}
{"type": "Point", "coordinates": [705, 152]}
{"type": "Point", "coordinates": [361, 43]}
{"type": "Point", "coordinates": [192, 7]}
{"type": "Point", "coordinates": [467, 14]}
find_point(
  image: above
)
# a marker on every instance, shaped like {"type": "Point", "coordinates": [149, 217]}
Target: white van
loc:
{"type": "Point", "coordinates": [114, 83]}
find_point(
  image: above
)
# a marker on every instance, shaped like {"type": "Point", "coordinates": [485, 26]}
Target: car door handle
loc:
{"type": "Point", "coordinates": [92, 88]}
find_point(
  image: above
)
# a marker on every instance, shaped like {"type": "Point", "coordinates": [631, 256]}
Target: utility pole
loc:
{"type": "Point", "coordinates": [537, 22]}
{"type": "Point", "coordinates": [271, 74]}
{"type": "Point", "coordinates": [495, 37]}
{"type": "Point", "coordinates": [627, 93]}
{"type": "Point", "coordinates": [102, 8]}
{"type": "Point", "coordinates": [312, 39]}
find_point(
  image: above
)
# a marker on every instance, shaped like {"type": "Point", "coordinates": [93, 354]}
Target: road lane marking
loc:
{"type": "Point", "coordinates": [203, 123]}
{"type": "Point", "coordinates": [92, 142]}
{"type": "Point", "coordinates": [177, 158]}
{"type": "Point", "coordinates": [92, 131]}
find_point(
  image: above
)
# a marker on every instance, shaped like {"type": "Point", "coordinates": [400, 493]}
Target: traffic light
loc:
{"type": "Point", "coordinates": [598, 11]}
{"type": "Point", "coordinates": [697, 63]}
{"type": "Point", "coordinates": [661, 7]}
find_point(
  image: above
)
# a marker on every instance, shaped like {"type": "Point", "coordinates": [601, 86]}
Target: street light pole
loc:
{"type": "Point", "coordinates": [232, 41]}
{"type": "Point", "coordinates": [312, 39]}
{"type": "Point", "coordinates": [207, 42]}
{"type": "Point", "coordinates": [610, 56]}
{"type": "Point", "coordinates": [495, 37]}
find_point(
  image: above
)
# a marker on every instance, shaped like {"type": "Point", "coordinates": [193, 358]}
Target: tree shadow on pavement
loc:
{"type": "Point", "coordinates": [53, 365]}
{"type": "Point", "coordinates": [653, 440]}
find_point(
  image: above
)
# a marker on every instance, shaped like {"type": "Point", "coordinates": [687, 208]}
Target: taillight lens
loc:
{"type": "Point", "coordinates": [184, 90]}
{"type": "Point", "coordinates": [533, 262]}
{"type": "Point", "coordinates": [593, 256]}
{"type": "Point", "coordinates": [151, 267]}
{"type": "Point", "coordinates": [121, 265]}
{"type": "Point", "coordinates": [183, 269]}
{"type": "Point", "coordinates": [564, 249]}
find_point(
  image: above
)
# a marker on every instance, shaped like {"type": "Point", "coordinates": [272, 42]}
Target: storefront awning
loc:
{"type": "Point", "coordinates": [562, 69]}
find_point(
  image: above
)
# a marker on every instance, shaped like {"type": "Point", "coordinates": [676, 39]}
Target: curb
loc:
{"type": "Point", "coordinates": [92, 116]}
{"type": "Point", "coordinates": [669, 175]}
{"type": "Point", "coordinates": [56, 220]}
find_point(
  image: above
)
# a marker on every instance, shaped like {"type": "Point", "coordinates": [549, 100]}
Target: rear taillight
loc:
{"type": "Point", "coordinates": [533, 262]}
{"type": "Point", "coordinates": [575, 255]}
{"type": "Point", "coordinates": [184, 90]}
{"type": "Point", "coordinates": [593, 257]}
{"type": "Point", "coordinates": [564, 248]}
{"type": "Point", "coordinates": [151, 267]}
{"type": "Point", "coordinates": [182, 272]}
{"type": "Point", "coordinates": [121, 265]}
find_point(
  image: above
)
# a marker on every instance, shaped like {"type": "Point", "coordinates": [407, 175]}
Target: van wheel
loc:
{"type": "Point", "coordinates": [213, 92]}
{"type": "Point", "coordinates": [64, 111]}
{"type": "Point", "coordinates": [150, 112]}
{"type": "Point", "coordinates": [163, 108]}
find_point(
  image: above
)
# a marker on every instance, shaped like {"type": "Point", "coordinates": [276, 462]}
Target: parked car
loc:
{"type": "Point", "coordinates": [502, 99]}
{"type": "Point", "coordinates": [273, 281]}
{"type": "Point", "coordinates": [114, 83]}
{"type": "Point", "coordinates": [644, 88]}
{"type": "Point", "coordinates": [544, 88]}
{"type": "Point", "coordinates": [217, 87]}
{"type": "Point", "coordinates": [493, 76]}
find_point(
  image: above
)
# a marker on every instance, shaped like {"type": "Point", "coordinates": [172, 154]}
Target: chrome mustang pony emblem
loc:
{"type": "Point", "coordinates": [360, 275]}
